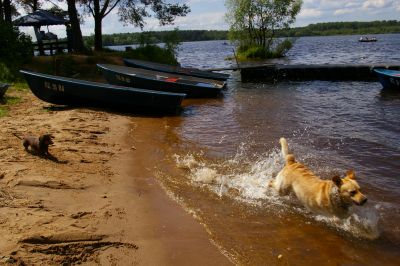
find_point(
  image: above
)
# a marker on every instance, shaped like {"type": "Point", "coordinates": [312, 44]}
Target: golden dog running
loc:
{"type": "Point", "coordinates": [327, 197]}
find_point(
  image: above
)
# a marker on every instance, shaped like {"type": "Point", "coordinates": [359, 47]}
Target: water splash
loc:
{"type": "Point", "coordinates": [362, 224]}
{"type": "Point", "coordinates": [246, 180]}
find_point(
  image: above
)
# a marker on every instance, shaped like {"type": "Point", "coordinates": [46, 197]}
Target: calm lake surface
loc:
{"type": "Point", "coordinates": [220, 153]}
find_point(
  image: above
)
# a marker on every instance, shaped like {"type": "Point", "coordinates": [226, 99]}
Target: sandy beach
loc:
{"type": "Point", "coordinates": [96, 201]}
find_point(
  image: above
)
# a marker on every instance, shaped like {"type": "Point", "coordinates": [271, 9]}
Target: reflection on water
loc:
{"type": "Point", "coordinates": [221, 153]}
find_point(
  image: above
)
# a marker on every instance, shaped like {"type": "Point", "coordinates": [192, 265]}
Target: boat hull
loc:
{"type": "Point", "coordinates": [147, 79]}
{"type": "Point", "coordinates": [66, 91]}
{"type": "Point", "coordinates": [390, 79]}
{"type": "Point", "coordinates": [175, 69]}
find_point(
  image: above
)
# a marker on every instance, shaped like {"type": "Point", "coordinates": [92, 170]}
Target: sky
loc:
{"type": "Point", "coordinates": [210, 15]}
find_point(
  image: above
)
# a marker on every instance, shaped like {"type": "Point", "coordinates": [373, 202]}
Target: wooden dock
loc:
{"type": "Point", "coordinates": [333, 72]}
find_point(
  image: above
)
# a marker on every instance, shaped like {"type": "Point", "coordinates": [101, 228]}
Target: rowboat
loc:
{"type": "Point", "coordinates": [147, 79]}
{"type": "Point", "coordinates": [390, 79]}
{"type": "Point", "coordinates": [3, 89]}
{"type": "Point", "coordinates": [194, 72]}
{"type": "Point", "coordinates": [68, 91]}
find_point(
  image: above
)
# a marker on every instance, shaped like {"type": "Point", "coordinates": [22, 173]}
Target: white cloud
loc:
{"type": "Point", "coordinates": [310, 13]}
{"type": "Point", "coordinates": [339, 12]}
{"type": "Point", "coordinates": [397, 6]}
{"type": "Point", "coordinates": [210, 14]}
{"type": "Point", "coordinates": [376, 3]}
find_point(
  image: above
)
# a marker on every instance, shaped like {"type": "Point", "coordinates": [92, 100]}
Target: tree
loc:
{"type": "Point", "coordinates": [7, 9]}
{"type": "Point", "coordinates": [255, 22]}
{"type": "Point", "coordinates": [30, 5]}
{"type": "Point", "coordinates": [1, 11]}
{"type": "Point", "coordinates": [76, 33]}
{"type": "Point", "coordinates": [132, 12]}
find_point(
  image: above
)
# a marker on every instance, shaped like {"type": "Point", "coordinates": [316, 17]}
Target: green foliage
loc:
{"type": "Point", "coordinates": [157, 37]}
{"type": "Point", "coordinates": [344, 28]}
{"type": "Point", "coordinates": [260, 52]}
{"type": "Point", "coordinates": [283, 47]}
{"type": "Point", "coordinates": [172, 41]}
{"type": "Point", "coordinates": [5, 73]}
{"type": "Point", "coordinates": [15, 49]}
{"type": "Point", "coordinates": [254, 24]}
{"type": "Point", "coordinates": [152, 53]}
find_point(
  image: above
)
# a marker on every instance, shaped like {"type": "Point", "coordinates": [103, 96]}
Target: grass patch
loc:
{"type": "Point", "coordinates": [3, 111]}
{"type": "Point", "coordinates": [11, 100]}
{"type": "Point", "coordinates": [8, 100]}
{"type": "Point", "coordinates": [20, 87]}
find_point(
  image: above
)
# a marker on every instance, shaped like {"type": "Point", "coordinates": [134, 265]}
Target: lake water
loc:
{"type": "Point", "coordinates": [219, 154]}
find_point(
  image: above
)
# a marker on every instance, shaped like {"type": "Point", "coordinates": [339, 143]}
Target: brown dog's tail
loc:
{"type": "Point", "coordinates": [289, 158]}
{"type": "Point", "coordinates": [17, 136]}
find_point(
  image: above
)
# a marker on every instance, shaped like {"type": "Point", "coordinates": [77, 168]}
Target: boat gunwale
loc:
{"type": "Point", "coordinates": [102, 85]}
{"type": "Point", "coordinates": [218, 87]}
{"type": "Point", "coordinates": [387, 72]}
{"type": "Point", "coordinates": [177, 69]}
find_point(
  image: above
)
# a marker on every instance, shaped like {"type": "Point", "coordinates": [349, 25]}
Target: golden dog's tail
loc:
{"type": "Point", "coordinates": [289, 158]}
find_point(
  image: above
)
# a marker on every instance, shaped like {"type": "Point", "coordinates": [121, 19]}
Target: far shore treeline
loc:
{"type": "Point", "coordinates": [318, 29]}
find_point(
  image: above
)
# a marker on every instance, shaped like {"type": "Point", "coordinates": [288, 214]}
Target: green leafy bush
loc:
{"type": "Point", "coordinates": [152, 53]}
{"type": "Point", "coordinates": [15, 49]}
{"type": "Point", "coordinates": [5, 73]}
{"type": "Point", "coordinates": [15, 46]}
{"type": "Point", "coordinates": [260, 52]}
{"type": "Point", "coordinates": [172, 41]}
{"type": "Point", "coordinates": [283, 47]}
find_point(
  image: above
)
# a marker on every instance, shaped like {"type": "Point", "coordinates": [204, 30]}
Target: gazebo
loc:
{"type": "Point", "coordinates": [43, 18]}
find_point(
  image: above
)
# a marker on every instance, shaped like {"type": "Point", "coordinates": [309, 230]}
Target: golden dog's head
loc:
{"type": "Point", "coordinates": [349, 189]}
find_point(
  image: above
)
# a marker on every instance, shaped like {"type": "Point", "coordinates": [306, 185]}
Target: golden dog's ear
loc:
{"type": "Point", "coordinates": [350, 174]}
{"type": "Point", "coordinates": [337, 180]}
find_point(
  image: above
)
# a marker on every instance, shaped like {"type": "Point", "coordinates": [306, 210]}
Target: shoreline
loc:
{"type": "Point", "coordinates": [98, 202]}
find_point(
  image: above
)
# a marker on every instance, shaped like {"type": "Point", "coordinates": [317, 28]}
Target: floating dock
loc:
{"type": "Point", "coordinates": [333, 72]}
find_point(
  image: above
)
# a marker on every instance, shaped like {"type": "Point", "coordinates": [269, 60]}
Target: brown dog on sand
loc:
{"type": "Point", "coordinates": [37, 145]}
{"type": "Point", "coordinates": [327, 197]}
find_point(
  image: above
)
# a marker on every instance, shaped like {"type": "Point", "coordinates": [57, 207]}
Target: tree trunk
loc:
{"type": "Point", "coordinates": [35, 5]}
{"type": "Point", "coordinates": [1, 11]}
{"type": "Point", "coordinates": [7, 10]}
{"type": "Point", "coordinates": [98, 38]}
{"type": "Point", "coordinates": [76, 33]}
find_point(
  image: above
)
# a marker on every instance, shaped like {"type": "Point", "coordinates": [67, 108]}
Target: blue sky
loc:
{"type": "Point", "coordinates": [210, 14]}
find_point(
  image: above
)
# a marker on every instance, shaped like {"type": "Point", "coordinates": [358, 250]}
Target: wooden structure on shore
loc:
{"type": "Point", "coordinates": [45, 41]}
{"type": "Point", "coordinates": [53, 47]}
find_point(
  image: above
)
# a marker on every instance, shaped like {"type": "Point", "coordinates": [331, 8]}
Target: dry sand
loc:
{"type": "Point", "coordinates": [97, 203]}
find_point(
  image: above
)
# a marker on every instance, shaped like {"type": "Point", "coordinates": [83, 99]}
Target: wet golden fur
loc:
{"type": "Point", "coordinates": [327, 197]}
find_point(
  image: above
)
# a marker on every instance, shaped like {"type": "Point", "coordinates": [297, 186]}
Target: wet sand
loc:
{"type": "Point", "coordinates": [96, 201]}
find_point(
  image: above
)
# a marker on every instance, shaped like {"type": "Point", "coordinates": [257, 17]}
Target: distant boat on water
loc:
{"type": "Point", "coordinates": [367, 39]}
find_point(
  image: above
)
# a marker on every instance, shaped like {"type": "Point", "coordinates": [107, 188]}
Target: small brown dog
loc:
{"type": "Point", "coordinates": [37, 145]}
{"type": "Point", "coordinates": [327, 197]}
